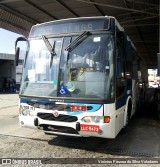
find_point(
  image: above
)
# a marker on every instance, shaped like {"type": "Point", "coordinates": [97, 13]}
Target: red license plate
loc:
{"type": "Point", "coordinates": [89, 128]}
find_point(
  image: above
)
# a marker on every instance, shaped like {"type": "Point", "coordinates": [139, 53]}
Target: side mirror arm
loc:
{"type": "Point", "coordinates": [17, 49]}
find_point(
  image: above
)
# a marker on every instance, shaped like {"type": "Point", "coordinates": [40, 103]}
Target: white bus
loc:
{"type": "Point", "coordinates": [80, 78]}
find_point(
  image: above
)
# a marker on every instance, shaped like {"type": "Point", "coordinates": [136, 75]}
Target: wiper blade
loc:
{"type": "Point", "coordinates": [53, 53]}
{"type": "Point", "coordinates": [50, 48]}
{"type": "Point", "coordinates": [77, 41]}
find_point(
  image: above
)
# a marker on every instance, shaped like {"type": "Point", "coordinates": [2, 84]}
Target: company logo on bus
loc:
{"type": "Point", "coordinates": [78, 108]}
{"type": "Point", "coordinates": [55, 114]}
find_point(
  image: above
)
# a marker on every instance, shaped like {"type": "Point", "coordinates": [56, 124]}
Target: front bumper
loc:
{"type": "Point", "coordinates": [107, 130]}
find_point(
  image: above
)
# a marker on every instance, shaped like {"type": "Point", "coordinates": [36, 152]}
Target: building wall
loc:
{"type": "Point", "coordinates": [7, 69]}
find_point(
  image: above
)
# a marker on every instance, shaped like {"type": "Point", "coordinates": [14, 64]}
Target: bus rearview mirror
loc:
{"type": "Point", "coordinates": [17, 56]}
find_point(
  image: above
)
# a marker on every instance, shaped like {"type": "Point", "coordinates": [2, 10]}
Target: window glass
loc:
{"type": "Point", "coordinates": [39, 78]}
{"type": "Point", "coordinates": [88, 70]}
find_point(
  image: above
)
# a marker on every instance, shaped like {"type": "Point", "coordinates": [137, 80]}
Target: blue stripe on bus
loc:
{"type": "Point", "coordinates": [129, 84]}
{"type": "Point", "coordinates": [121, 101]}
{"type": "Point", "coordinates": [93, 107]}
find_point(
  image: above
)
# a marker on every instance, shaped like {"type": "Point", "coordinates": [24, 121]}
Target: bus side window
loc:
{"type": "Point", "coordinates": [120, 79]}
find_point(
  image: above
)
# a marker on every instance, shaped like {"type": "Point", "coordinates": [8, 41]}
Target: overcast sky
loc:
{"type": "Point", "coordinates": [7, 41]}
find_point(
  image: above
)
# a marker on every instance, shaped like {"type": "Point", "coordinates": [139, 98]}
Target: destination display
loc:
{"type": "Point", "coordinates": [69, 26]}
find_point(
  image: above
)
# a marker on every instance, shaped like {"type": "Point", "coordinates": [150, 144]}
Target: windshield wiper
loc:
{"type": "Point", "coordinates": [77, 41]}
{"type": "Point", "coordinates": [50, 48]}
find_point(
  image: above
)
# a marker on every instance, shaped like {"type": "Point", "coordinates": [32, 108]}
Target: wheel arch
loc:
{"type": "Point", "coordinates": [129, 99]}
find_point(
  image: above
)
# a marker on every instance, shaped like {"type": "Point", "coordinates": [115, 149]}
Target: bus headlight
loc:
{"type": "Point", "coordinates": [95, 119]}
{"type": "Point", "coordinates": [86, 119]}
{"type": "Point", "coordinates": [31, 113]}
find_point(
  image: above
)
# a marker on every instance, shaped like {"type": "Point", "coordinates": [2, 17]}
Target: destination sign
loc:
{"type": "Point", "coordinates": [70, 26]}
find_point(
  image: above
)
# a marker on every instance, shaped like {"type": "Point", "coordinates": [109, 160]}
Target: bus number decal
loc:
{"type": "Point", "coordinates": [26, 107]}
{"type": "Point", "coordinates": [78, 108]}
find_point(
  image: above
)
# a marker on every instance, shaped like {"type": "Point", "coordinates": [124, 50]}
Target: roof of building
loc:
{"type": "Point", "coordinates": [138, 17]}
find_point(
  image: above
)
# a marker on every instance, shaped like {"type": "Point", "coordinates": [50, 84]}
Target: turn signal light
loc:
{"type": "Point", "coordinates": [107, 119]}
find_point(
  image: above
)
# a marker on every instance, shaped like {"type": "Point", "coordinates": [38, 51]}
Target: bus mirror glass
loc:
{"type": "Point", "coordinates": [27, 45]}
{"type": "Point", "coordinates": [17, 56]}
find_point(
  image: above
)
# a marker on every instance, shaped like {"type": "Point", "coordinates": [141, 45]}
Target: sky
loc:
{"type": "Point", "coordinates": [7, 41]}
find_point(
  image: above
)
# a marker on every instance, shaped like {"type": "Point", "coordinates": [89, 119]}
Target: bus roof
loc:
{"type": "Point", "coordinates": [72, 25]}
{"type": "Point", "coordinates": [76, 18]}
{"type": "Point", "coordinates": [43, 26]}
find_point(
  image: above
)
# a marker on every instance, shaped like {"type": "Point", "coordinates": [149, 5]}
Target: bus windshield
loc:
{"type": "Point", "coordinates": [86, 71]}
{"type": "Point", "coordinates": [39, 75]}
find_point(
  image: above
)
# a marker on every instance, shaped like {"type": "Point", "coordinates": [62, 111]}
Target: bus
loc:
{"type": "Point", "coordinates": [80, 78]}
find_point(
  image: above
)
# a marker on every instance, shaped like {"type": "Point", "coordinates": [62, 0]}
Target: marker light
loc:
{"type": "Point", "coordinates": [107, 119]}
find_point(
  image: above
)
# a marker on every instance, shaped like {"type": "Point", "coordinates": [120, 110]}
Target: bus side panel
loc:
{"type": "Point", "coordinates": [121, 106]}
{"type": "Point", "coordinates": [116, 115]}
{"type": "Point", "coordinates": [119, 119]}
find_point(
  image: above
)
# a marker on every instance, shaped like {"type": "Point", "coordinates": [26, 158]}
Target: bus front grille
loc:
{"type": "Point", "coordinates": [61, 117]}
{"type": "Point", "coordinates": [58, 129]}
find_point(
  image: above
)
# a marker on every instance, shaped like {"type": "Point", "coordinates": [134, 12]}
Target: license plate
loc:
{"type": "Point", "coordinates": [89, 128]}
